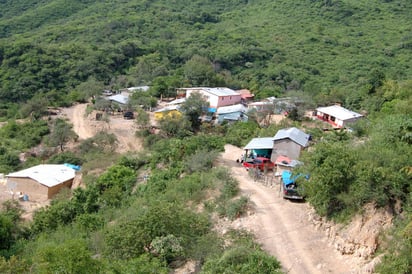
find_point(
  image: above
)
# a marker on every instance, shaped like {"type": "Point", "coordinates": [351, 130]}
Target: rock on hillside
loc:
{"type": "Point", "coordinates": [359, 238]}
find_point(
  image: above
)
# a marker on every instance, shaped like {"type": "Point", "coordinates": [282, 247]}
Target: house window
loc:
{"type": "Point", "coordinates": [332, 118]}
{"type": "Point", "coordinates": [230, 98]}
{"type": "Point", "coordinates": [223, 98]}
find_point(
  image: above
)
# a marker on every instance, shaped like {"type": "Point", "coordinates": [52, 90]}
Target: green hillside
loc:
{"type": "Point", "coordinates": [152, 210]}
{"type": "Point", "coordinates": [267, 46]}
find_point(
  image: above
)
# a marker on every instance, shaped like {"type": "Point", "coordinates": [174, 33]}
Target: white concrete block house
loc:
{"type": "Point", "coordinates": [337, 116]}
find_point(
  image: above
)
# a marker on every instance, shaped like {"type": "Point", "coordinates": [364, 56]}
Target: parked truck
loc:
{"type": "Point", "coordinates": [261, 163]}
{"type": "Point", "coordinates": [290, 187]}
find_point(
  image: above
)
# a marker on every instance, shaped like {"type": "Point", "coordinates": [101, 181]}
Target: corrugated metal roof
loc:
{"type": "Point", "coordinates": [168, 108]}
{"type": "Point", "coordinates": [177, 101]}
{"type": "Point", "coordinates": [140, 88]}
{"type": "Point", "coordinates": [283, 160]}
{"type": "Point", "coordinates": [260, 143]}
{"type": "Point", "coordinates": [294, 134]}
{"type": "Point", "coordinates": [219, 91]}
{"type": "Point", "coordinates": [339, 112]}
{"type": "Point", "coordinates": [232, 108]}
{"type": "Point", "coordinates": [48, 175]}
{"type": "Point", "coordinates": [119, 98]}
{"type": "Point", "coordinates": [222, 91]}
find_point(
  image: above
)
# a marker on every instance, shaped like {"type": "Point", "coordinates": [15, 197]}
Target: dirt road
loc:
{"type": "Point", "coordinates": [281, 226]}
{"type": "Point", "coordinates": [283, 229]}
{"type": "Point", "coordinates": [77, 116]}
{"type": "Point", "coordinates": [86, 126]}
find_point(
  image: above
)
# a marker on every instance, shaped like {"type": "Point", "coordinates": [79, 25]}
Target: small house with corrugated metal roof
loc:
{"type": "Point", "coordinates": [231, 113]}
{"type": "Point", "coordinates": [289, 142]}
{"type": "Point", "coordinates": [258, 147]}
{"type": "Point", "coordinates": [337, 116]}
{"type": "Point", "coordinates": [41, 182]}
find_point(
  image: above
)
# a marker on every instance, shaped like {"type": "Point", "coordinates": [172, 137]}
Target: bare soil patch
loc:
{"type": "Point", "coordinates": [86, 126]}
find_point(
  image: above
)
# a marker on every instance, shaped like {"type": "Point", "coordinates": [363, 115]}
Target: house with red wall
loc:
{"type": "Point", "coordinates": [337, 116]}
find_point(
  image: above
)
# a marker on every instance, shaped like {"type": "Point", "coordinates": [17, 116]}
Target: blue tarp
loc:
{"type": "Point", "coordinates": [77, 168]}
{"type": "Point", "coordinates": [288, 179]}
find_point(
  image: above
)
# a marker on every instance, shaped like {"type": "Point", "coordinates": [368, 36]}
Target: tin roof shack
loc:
{"type": "Point", "coordinates": [289, 142]}
{"type": "Point", "coordinates": [231, 113]}
{"type": "Point", "coordinates": [258, 147]}
{"type": "Point", "coordinates": [41, 182]}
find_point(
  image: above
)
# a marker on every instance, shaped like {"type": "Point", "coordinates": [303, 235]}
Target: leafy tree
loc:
{"type": "Point", "coordinates": [143, 119]}
{"type": "Point", "coordinates": [61, 134]}
{"type": "Point", "coordinates": [193, 108]}
{"type": "Point", "coordinates": [199, 71]}
{"type": "Point", "coordinates": [175, 126]}
{"type": "Point", "coordinates": [331, 169]}
{"type": "Point", "coordinates": [240, 133]}
{"type": "Point", "coordinates": [6, 232]}
{"type": "Point", "coordinates": [35, 108]}
{"type": "Point", "coordinates": [70, 256]}
{"type": "Point", "coordinates": [8, 160]}
{"type": "Point", "coordinates": [89, 89]}
{"type": "Point", "coordinates": [165, 86]}
{"type": "Point", "coordinates": [132, 237]}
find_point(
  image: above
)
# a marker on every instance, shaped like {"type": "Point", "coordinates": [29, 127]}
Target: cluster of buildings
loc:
{"type": "Point", "coordinates": [44, 181]}
{"type": "Point", "coordinates": [235, 105]}
{"type": "Point", "coordinates": [283, 149]}
{"type": "Point", "coordinates": [228, 105]}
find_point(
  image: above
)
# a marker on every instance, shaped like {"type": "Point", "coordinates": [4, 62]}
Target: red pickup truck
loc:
{"type": "Point", "coordinates": [259, 162]}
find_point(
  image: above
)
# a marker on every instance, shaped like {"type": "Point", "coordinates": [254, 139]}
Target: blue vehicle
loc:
{"type": "Point", "coordinates": [290, 186]}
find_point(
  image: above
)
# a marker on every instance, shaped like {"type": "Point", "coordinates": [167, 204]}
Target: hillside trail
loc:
{"type": "Point", "coordinates": [280, 226]}
{"type": "Point", "coordinates": [283, 228]}
{"type": "Point", "coordinates": [86, 126]}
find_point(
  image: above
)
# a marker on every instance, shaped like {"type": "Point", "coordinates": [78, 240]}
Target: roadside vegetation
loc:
{"type": "Point", "coordinates": [152, 211]}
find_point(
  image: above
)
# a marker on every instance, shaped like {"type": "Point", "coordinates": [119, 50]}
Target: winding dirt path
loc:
{"type": "Point", "coordinates": [87, 126]}
{"type": "Point", "coordinates": [77, 116]}
{"type": "Point", "coordinates": [283, 228]}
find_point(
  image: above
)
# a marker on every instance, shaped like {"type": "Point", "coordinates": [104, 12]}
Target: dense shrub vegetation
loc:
{"type": "Point", "coordinates": [333, 50]}
{"type": "Point", "coordinates": [138, 216]}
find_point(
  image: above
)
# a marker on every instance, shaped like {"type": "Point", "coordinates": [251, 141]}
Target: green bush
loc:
{"type": "Point", "coordinates": [242, 260]}
{"type": "Point", "coordinates": [237, 207]}
{"type": "Point", "coordinates": [130, 238]}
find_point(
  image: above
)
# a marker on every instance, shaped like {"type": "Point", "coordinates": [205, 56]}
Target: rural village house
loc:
{"type": "Point", "coordinates": [246, 96]}
{"type": "Point", "coordinates": [289, 142]}
{"type": "Point", "coordinates": [337, 116]}
{"type": "Point", "coordinates": [232, 113]}
{"type": "Point", "coordinates": [258, 147]}
{"type": "Point", "coordinates": [217, 97]}
{"type": "Point", "coordinates": [41, 182]}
